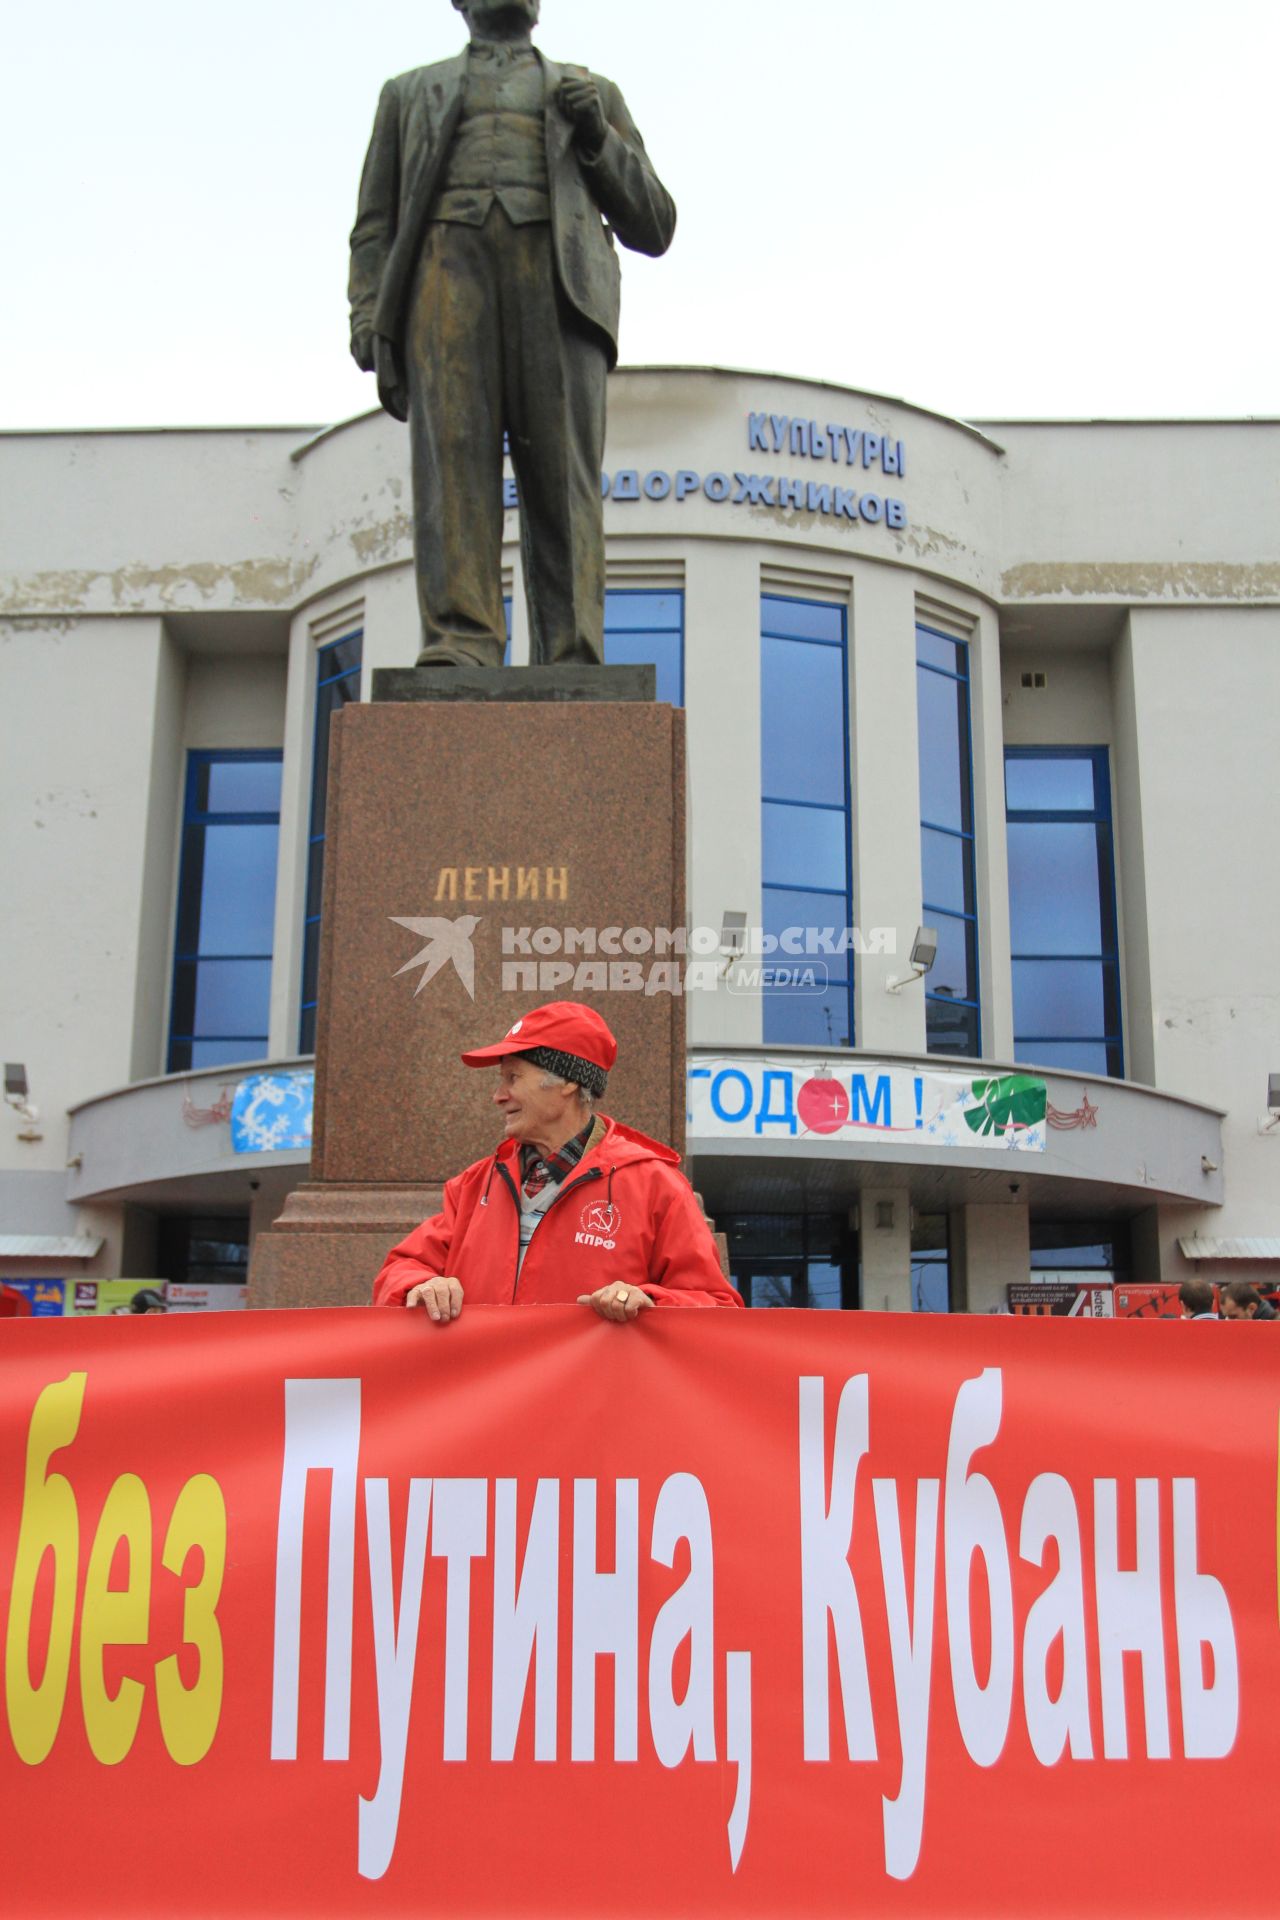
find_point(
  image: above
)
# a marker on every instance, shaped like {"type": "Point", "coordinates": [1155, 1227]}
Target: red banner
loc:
{"type": "Point", "coordinates": [343, 1613]}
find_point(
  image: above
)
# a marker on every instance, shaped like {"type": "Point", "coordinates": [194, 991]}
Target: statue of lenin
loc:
{"type": "Point", "coordinates": [484, 294]}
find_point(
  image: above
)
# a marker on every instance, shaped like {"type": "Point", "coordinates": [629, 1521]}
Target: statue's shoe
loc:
{"type": "Point", "coordinates": [452, 657]}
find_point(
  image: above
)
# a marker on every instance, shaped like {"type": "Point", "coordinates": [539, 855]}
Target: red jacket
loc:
{"type": "Point", "coordinates": [624, 1214]}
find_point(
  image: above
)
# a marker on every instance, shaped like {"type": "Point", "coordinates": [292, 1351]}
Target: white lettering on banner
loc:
{"type": "Point", "coordinates": [448, 1519]}
{"type": "Point", "coordinates": [459, 1533]}
{"type": "Point", "coordinates": [911, 1650]}
{"type": "Point", "coordinates": [1130, 1607]}
{"type": "Point", "coordinates": [826, 1580]}
{"type": "Point", "coordinates": [1210, 1714]}
{"type": "Point", "coordinates": [525, 1616]}
{"type": "Point", "coordinates": [1130, 1618]}
{"type": "Point", "coordinates": [1049, 1513]}
{"type": "Point", "coordinates": [955, 1527]}
{"type": "Point", "coordinates": [322, 1433]}
{"type": "Point", "coordinates": [395, 1653]}
{"type": "Point", "coordinates": [973, 1529]}
{"type": "Point", "coordinates": [678, 1725]}
{"type": "Point", "coordinates": [605, 1618]}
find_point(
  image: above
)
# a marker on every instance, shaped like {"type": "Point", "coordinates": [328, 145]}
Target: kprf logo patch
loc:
{"type": "Point", "coordinates": [598, 1225]}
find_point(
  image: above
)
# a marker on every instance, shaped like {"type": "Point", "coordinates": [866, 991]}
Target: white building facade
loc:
{"type": "Point", "coordinates": [1013, 684]}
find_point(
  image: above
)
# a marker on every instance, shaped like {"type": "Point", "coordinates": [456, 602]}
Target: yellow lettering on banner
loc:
{"type": "Point", "coordinates": [471, 883]}
{"type": "Point", "coordinates": [527, 883]}
{"type": "Point", "coordinates": [50, 1524]}
{"type": "Point", "coordinates": [189, 1715]}
{"type": "Point", "coordinates": [447, 884]}
{"type": "Point", "coordinates": [557, 883]}
{"type": "Point", "coordinates": [499, 883]}
{"type": "Point", "coordinates": [115, 1617]}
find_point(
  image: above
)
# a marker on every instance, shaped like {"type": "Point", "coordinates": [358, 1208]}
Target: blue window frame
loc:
{"type": "Point", "coordinates": [644, 626]}
{"type": "Point", "coordinates": [226, 909]}
{"type": "Point", "coordinates": [952, 1021]}
{"type": "Point", "coordinates": [806, 813]}
{"type": "Point", "coordinates": [337, 685]}
{"type": "Point", "coordinates": [1062, 909]}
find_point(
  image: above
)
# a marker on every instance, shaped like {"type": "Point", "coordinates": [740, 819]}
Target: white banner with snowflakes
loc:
{"type": "Point", "coordinates": [271, 1113]}
{"type": "Point", "coordinates": [737, 1098]}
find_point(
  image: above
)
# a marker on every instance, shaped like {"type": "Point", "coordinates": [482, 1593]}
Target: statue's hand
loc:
{"type": "Point", "coordinates": [392, 390]}
{"type": "Point", "coordinates": [362, 351]}
{"type": "Point", "coordinates": [580, 102]}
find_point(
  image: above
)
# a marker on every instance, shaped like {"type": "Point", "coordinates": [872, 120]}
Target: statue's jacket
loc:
{"type": "Point", "coordinates": [591, 200]}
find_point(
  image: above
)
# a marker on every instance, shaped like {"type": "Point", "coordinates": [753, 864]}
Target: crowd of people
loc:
{"type": "Point", "coordinates": [1199, 1300]}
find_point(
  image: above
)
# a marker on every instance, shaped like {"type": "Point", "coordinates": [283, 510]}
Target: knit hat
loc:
{"type": "Point", "coordinates": [563, 1038]}
{"type": "Point", "coordinates": [568, 1066]}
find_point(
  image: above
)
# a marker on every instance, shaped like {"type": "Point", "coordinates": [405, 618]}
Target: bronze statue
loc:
{"type": "Point", "coordinates": [484, 294]}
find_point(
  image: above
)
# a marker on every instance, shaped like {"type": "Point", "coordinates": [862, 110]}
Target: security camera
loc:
{"type": "Point", "coordinates": [924, 951]}
{"type": "Point", "coordinates": [924, 948]}
{"type": "Point", "coordinates": [16, 1090]}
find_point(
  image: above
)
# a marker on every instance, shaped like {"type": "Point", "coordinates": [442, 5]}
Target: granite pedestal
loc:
{"type": "Point", "coordinates": [465, 838]}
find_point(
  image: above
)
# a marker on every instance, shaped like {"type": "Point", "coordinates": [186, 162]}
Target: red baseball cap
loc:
{"type": "Point", "coordinates": [562, 1025]}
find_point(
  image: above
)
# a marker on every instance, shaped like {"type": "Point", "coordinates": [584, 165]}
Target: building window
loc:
{"type": "Point", "coordinates": [1096, 1250]}
{"type": "Point", "coordinates": [792, 1259]}
{"type": "Point", "coordinates": [337, 685]}
{"type": "Point", "coordinates": [199, 1250]}
{"type": "Point", "coordinates": [226, 910]}
{"type": "Point", "coordinates": [930, 1264]}
{"type": "Point", "coordinates": [804, 784]}
{"type": "Point", "coordinates": [946, 842]}
{"type": "Point", "coordinates": [644, 626]}
{"type": "Point", "coordinates": [1062, 909]}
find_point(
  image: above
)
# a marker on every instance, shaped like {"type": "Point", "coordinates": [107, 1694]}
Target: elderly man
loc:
{"type": "Point", "coordinates": [484, 294]}
{"type": "Point", "coordinates": [572, 1207]}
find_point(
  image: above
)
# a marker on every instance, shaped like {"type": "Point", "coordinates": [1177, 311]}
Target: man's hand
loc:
{"type": "Point", "coordinates": [580, 102]}
{"type": "Point", "coordinates": [442, 1298]}
{"type": "Point", "coordinates": [362, 351]}
{"type": "Point", "coordinates": [616, 1302]}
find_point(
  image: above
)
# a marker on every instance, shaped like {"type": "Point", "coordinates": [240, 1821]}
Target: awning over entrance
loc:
{"type": "Point", "coordinates": [50, 1246]}
{"type": "Point", "coordinates": [1202, 1247]}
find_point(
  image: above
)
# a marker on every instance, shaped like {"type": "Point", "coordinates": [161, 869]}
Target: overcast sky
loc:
{"type": "Point", "coordinates": [996, 208]}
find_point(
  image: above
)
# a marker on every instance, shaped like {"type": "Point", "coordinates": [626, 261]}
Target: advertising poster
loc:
{"type": "Point", "coordinates": [106, 1297]}
{"type": "Point", "coordinates": [48, 1297]}
{"type": "Point", "coordinates": [1064, 1299]}
{"type": "Point", "coordinates": [217, 1297]}
{"type": "Point", "coordinates": [1147, 1303]}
